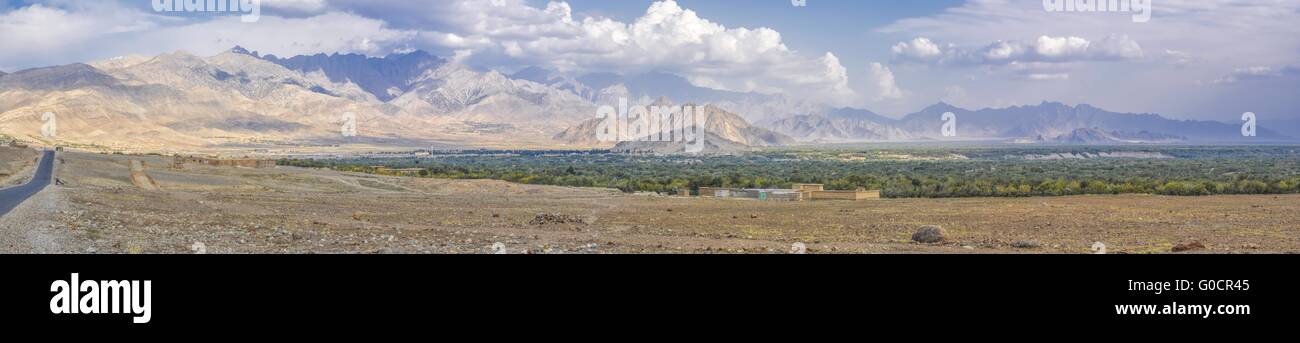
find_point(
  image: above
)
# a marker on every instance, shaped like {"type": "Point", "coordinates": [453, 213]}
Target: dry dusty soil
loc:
{"type": "Point", "coordinates": [15, 165]}
{"type": "Point", "coordinates": [292, 210]}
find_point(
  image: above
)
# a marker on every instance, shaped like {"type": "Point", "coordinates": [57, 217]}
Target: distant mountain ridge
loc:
{"type": "Point", "coordinates": [724, 131]}
{"type": "Point", "coordinates": [1040, 123]}
{"type": "Point", "coordinates": [1091, 136]}
{"type": "Point", "coordinates": [384, 77]}
{"type": "Point", "coordinates": [841, 125]}
{"type": "Point", "coordinates": [182, 101]}
{"type": "Point", "coordinates": [1051, 119]}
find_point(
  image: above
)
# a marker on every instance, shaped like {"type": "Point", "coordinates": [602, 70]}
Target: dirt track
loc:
{"type": "Point", "coordinates": [292, 210]}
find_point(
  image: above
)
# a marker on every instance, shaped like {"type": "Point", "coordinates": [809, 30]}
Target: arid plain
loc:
{"type": "Point", "coordinates": [293, 210]}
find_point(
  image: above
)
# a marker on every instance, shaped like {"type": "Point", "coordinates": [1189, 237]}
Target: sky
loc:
{"type": "Point", "coordinates": [1187, 59]}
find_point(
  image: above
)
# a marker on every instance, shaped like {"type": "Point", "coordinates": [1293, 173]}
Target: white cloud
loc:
{"type": "Point", "coordinates": [1043, 49]}
{"type": "Point", "coordinates": [919, 48]}
{"type": "Point", "coordinates": [1046, 77]}
{"type": "Point", "coordinates": [665, 38]}
{"type": "Point", "coordinates": [92, 31]}
{"type": "Point", "coordinates": [1184, 42]}
{"type": "Point", "coordinates": [886, 86]}
{"type": "Point", "coordinates": [1256, 73]}
{"type": "Point", "coordinates": [39, 29]}
{"type": "Point", "coordinates": [1180, 58]}
{"type": "Point", "coordinates": [329, 32]}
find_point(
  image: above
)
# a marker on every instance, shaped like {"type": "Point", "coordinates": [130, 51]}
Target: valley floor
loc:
{"type": "Point", "coordinates": [292, 210]}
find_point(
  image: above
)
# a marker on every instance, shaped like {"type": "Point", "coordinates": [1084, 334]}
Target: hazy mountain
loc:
{"type": "Point", "coordinates": [1051, 119]}
{"type": "Point", "coordinates": [1094, 136]}
{"type": "Point", "coordinates": [724, 131]}
{"type": "Point", "coordinates": [64, 77]}
{"type": "Point", "coordinates": [179, 101]}
{"type": "Point", "coordinates": [462, 100]}
{"type": "Point", "coordinates": [462, 93]}
{"type": "Point", "coordinates": [556, 80]}
{"type": "Point", "coordinates": [643, 89]}
{"type": "Point", "coordinates": [841, 125]}
{"type": "Point", "coordinates": [1048, 122]}
{"type": "Point", "coordinates": [1291, 126]}
{"type": "Point", "coordinates": [384, 77]}
{"type": "Point", "coordinates": [712, 144]}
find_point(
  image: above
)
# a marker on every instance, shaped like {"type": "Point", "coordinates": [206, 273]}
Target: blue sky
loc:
{"type": "Point", "coordinates": [1194, 59]}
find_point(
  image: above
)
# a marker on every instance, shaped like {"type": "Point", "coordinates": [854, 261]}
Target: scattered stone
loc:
{"type": "Point", "coordinates": [930, 234]}
{"type": "Point", "coordinates": [556, 218]}
{"type": "Point", "coordinates": [798, 248]}
{"type": "Point", "coordinates": [1029, 244]}
{"type": "Point", "coordinates": [1189, 247]}
{"type": "Point", "coordinates": [199, 248]}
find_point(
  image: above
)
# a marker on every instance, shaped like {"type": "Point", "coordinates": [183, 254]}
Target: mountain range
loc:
{"type": "Point", "coordinates": [240, 99]}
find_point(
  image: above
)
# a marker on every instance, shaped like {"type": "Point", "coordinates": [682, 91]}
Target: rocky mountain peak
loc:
{"type": "Point", "coordinates": [240, 50]}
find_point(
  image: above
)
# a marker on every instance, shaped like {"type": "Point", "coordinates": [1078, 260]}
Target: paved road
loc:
{"type": "Point", "coordinates": [11, 197]}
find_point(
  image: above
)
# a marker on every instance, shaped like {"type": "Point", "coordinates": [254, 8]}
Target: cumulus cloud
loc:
{"type": "Point", "coordinates": [667, 38]}
{"type": "Point", "coordinates": [61, 33]}
{"type": "Point", "coordinates": [1044, 49]}
{"type": "Point", "coordinates": [886, 86]}
{"type": "Point", "coordinates": [920, 48]}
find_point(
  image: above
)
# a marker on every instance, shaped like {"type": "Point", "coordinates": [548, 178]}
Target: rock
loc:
{"type": "Point", "coordinates": [798, 248]}
{"type": "Point", "coordinates": [199, 248]}
{"type": "Point", "coordinates": [1189, 247]}
{"type": "Point", "coordinates": [556, 218]}
{"type": "Point", "coordinates": [930, 234]}
{"type": "Point", "coordinates": [1029, 244]}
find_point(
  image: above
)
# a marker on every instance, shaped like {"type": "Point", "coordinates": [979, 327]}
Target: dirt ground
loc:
{"type": "Point", "coordinates": [15, 165]}
{"type": "Point", "coordinates": [292, 210]}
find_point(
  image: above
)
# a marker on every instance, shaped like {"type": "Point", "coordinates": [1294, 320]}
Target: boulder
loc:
{"type": "Point", "coordinates": [930, 234]}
